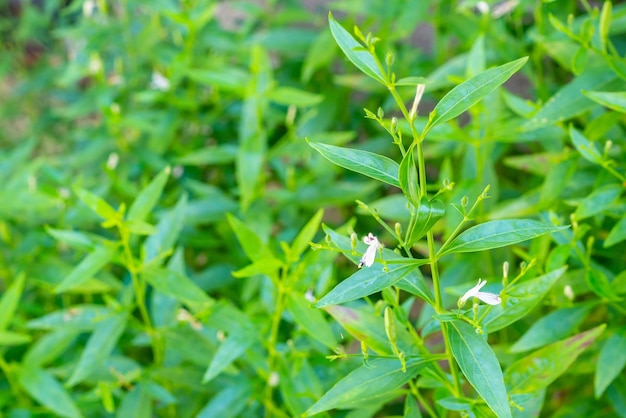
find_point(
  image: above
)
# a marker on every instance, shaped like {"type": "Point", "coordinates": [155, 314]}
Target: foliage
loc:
{"type": "Point", "coordinates": [185, 185]}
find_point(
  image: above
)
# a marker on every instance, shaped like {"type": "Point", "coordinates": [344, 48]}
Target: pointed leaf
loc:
{"type": "Point", "coordinates": [42, 386]}
{"type": "Point", "coordinates": [148, 197]}
{"type": "Point", "coordinates": [611, 361]}
{"type": "Point", "coordinates": [617, 233]}
{"type": "Point", "coordinates": [376, 166]}
{"type": "Point", "coordinates": [228, 402]}
{"type": "Point", "coordinates": [354, 51]}
{"type": "Point", "coordinates": [596, 202]}
{"type": "Point", "coordinates": [86, 269]}
{"type": "Point", "coordinates": [230, 350]}
{"type": "Point", "coordinates": [541, 368]}
{"type": "Point", "coordinates": [428, 213]}
{"type": "Point", "coordinates": [366, 383]}
{"type": "Point", "coordinates": [552, 327]}
{"type": "Point", "coordinates": [613, 100]}
{"type": "Point", "coordinates": [99, 347]}
{"type": "Point", "coordinates": [306, 235]}
{"type": "Point", "coordinates": [168, 230]}
{"type": "Point", "coordinates": [365, 282]}
{"type": "Point", "coordinates": [480, 366]}
{"type": "Point", "coordinates": [136, 403]}
{"type": "Point", "coordinates": [408, 179]}
{"type": "Point", "coordinates": [10, 300]}
{"type": "Point", "coordinates": [251, 243]}
{"type": "Point", "coordinates": [97, 204]}
{"type": "Point", "coordinates": [176, 285]}
{"type": "Point", "coordinates": [470, 92]}
{"type": "Point", "coordinates": [586, 148]}
{"type": "Point", "coordinates": [311, 320]}
{"type": "Point", "coordinates": [496, 234]}
{"type": "Point", "coordinates": [520, 299]}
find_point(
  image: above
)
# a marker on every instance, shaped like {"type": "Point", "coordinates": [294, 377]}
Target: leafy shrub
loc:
{"type": "Point", "coordinates": [185, 187]}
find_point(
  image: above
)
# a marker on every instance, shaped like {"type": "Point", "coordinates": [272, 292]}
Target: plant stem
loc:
{"type": "Point", "coordinates": [272, 340]}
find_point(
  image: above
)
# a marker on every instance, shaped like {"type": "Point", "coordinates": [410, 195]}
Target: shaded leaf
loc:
{"type": "Point", "coordinates": [376, 166]}
{"type": "Point", "coordinates": [148, 197]}
{"type": "Point", "coordinates": [10, 300]}
{"type": "Point", "coordinates": [596, 202]}
{"type": "Point", "coordinates": [611, 361]}
{"type": "Point", "coordinates": [366, 383]}
{"type": "Point", "coordinates": [168, 230]}
{"type": "Point", "coordinates": [496, 234]}
{"type": "Point", "coordinates": [228, 402]}
{"type": "Point", "coordinates": [538, 370]}
{"type": "Point", "coordinates": [42, 386]}
{"type": "Point", "coordinates": [428, 213]}
{"type": "Point", "coordinates": [176, 285]}
{"type": "Point", "coordinates": [231, 349]}
{"type": "Point", "coordinates": [86, 269]}
{"type": "Point", "coordinates": [617, 233]}
{"type": "Point", "coordinates": [311, 320]}
{"type": "Point", "coordinates": [480, 366]}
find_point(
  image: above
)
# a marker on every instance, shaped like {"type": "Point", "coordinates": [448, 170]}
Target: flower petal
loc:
{"type": "Point", "coordinates": [489, 298]}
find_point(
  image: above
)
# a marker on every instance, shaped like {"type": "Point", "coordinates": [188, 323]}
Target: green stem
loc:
{"type": "Point", "coordinates": [6, 369]}
{"type": "Point", "coordinates": [272, 340]}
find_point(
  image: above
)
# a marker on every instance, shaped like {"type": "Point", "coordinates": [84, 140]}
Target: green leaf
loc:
{"type": "Point", "coordinates": [596, 202]}
{"type": "Point", "coordinates": [586, 148]}
{"type": "Point", "coordinates": [407, 177]}
{"type": "Point", "coordinates": [611, 361]}
{"type": "Point", "coordinates": [74, 239]}
{"type": "Point", "coordinates": [136, 403]}
{"type": "Point", "coordinates": [98, 205]}
{"type": "Point", "coordinates": [176, 285]}
{"type": "Point", "coordinates": [228, 402]}
{"type": "Point", "coordinates": [599, 284]}
{"type": "Point", "coordinates": [148, 197]}
{"type": "Point", "coordinates": [13, 338]}
{"type": "Point", "coordinates": [617, 233]}
{"type": "Point", "coordinates": [311, 320]}
{"type": "Point", "coordinates": [231, 348]}
{"type": "Point", "coordinates": [367, 383]}
{"type": "Point", "coordinates": [496, 234]}
{"type": "Point", "coordinates": [428, 213]}
{"type": "Point", "coordinates": [99, 347]}
{"type": "Point", "coordinates": [354, 51]}
{"type": "Point", "coordinates": [86, 269]}
{"type": "Point", "coordinates": [470, 92]}
{"type": "Point", "coordinates": [538, 370]}
{"type": "Point", "coordinates": [290, 96]}
{"type": "Point", "coordinates": [10, 300]}
{"type": "Point", "coordinates": [45, 389]}
{"type": "Point", "coordinates": [306, 235]}
{"type": "Point", "coordinates": [49, 347]}
{"type": "Point", "coordinates": [251, 243]}
{"type": "Point", "coordinates": [211, 155]}
{"type": "Point", "coordinates": [79, 318]}
{"type": "Point", "coordinates": [227, 78]}
{"type": "Point", "coordinates": [168, 230]}
{"type": "Point", "coordinates": [552, 327]}
{"type": "Point", "coordinates": [376, 166]}
{"type": "Point", "coordinates": [612, 100]}
{"type": "Point", "coordinates": [480, 366]}
{"type": "Point", "coordinates": [267, 266]}
{"type": "Point", "coordinates": [617, 395]}
{"type": "Point", "coordinates": [520, 299]}
{"type": "Point", "coordinates": [365, 282]}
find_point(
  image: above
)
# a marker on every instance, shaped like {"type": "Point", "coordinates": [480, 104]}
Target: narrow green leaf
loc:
{"type": "Point", "coordinates": [617, 233]}
{"type": "Point", "coordinates": [612, 100]}
{"type": "Point", "coordinates": [290, 96]}
{"type": "Point", "coordinates": [168, 230]}
{"type": "Point", "coordinates": [74, 239]}
{"type": "Point", "coordinates": [480, 366]}
{"type": "Point", "coordinates": [148, 197]}
{"type": "Point", "coordinates": [10, 300]}
{"type": "Point", "coordinates": [596, 202]}
{"type": "Point", "coordinates": [227, 78]}
{"type": "Point", "coordinates": [99, 347]}
{"type": "Point", "coordinates": [42, 386]}
{"type": "Point", "coordinates": [136, 403]}
{"type": "Point", "coordinates": [97, 204]}
{"type": "Point", "coordinates": [541, 368]}
{"type": "Point", "coordinates": [251, 243]}
{"type": "Point", "coordinates": [176, 285]}
{"type": "Point", "coordinates": [599, 284]}
{"type": "Point", "coordinates": [354, 51]}
{"type": "Point", "coordinates": [586, 148]}
{"type": "Point", "coordinates": [212, 155]}
{"type": "Point", "coordinates": [10, 338]}
{"type": "Point", "coordinates": [551, 328]}
{"type": "Point", "coordinates": [611, 361]}
{"type": "Point", "coordinates": [230, 350]}
{"type": "Point", "coordinates": [365, 282]}
{"type": "Point", "coordinates": [49, 347]}
{"type": "Point", "coordinates": [617, 395]}
{"type": "Point", "coordinates": [311, 320]}
{"type": "Point", "coordinates": [376, 166]}
{"type": "Point", "coordinates": [228, 402]}
{"type": "Point", "coordinates": [470, 92]}
{"type": "Point", "coordinates": [366, 383]}
{"type": "Point", "coordinates": [428, 213]}
{"type": "Point", "coordinates": [306, 234]}
{"type": "Point", "coordinates": [86, 269]}
{"type": "Point", "coordinates": [496, 234]}
{"type": "Point", "coordinates": [520, 299]}
{"type": "Point", "coordinates": [407, 177]}
{"type": "Point", "coordinates": [267, 266]}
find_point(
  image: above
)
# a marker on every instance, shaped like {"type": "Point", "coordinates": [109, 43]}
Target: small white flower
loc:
{"type": "Point", "coordinates": [159, 82]}
{"type": "Point", "coordinates": [370, 253]}
{"type": "Point", "coordinates": [489, 298]}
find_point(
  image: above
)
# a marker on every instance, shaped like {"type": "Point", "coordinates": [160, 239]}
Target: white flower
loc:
{"type": "Point", "coordinates": [159, 82]}
{"type": "Point", "coordinates": [489, 298]}
{"type": "Point", "coordinates": [370, 253]}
